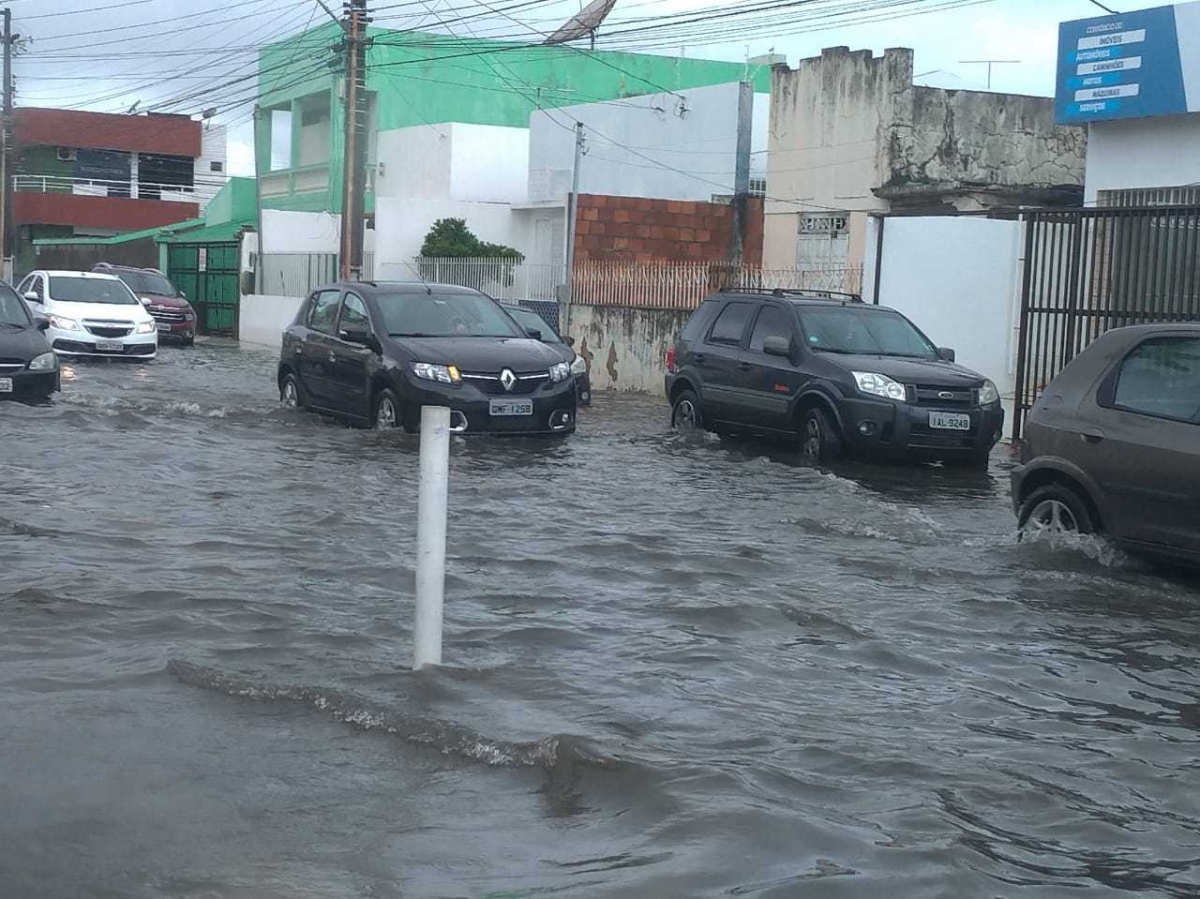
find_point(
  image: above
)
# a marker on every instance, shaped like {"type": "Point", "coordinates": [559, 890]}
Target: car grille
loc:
{"type": "Point", "coordinates": [108, 329]}
{"type": "Point", "coordinates": [942, 397]}
{"type": "Point", "coordinates": [8, 366]}
{"type": "Point", "coordinates": [489, 382]}
{"type": "Point", "coordinates": [167, 317]}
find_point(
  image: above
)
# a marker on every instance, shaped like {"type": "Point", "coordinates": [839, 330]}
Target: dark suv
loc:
{"type": "Point", "coordinates": [174, 315]}
{"type": "Point", "coordinates": [842, 375]}
{"type": "Point", "coordinates": [376, 353]}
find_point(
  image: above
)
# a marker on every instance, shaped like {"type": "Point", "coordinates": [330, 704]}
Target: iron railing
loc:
{"type": "Point", "coordinates": [503, 278]}
{"type": "Point", "coordinates": [103, 187]}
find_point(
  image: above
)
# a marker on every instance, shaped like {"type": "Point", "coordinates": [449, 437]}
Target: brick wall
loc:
{"type": "Point", "coordinates": [636, 229]}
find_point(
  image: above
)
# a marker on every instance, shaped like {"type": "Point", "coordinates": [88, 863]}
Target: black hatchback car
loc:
{"type": "Point", "coordinates": [28, 367]}
{"type": "Point", "coordinates": [1113, 444]}
{"type": "Point", "coordinates": [375, 353]}
{"type": "Point", "coordinates": [843, 376]}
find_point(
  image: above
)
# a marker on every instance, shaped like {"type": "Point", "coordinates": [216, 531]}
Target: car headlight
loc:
{"type": "Point", "coordinates": [560, 371]}
{"type": "Point", "coordinates": [63, 324]}
{"type": "Point", "coordinates": [445, 374]}
{"type": "Point", "coordinates": [579, 366]}
{"type": "Point", "coordinates": [147, 327]}
{"type": "Point", "coordinates": [44, 362]}
{"type": "Point", "coordinates": [189, 316]}
{"type": "Point", "coordinates": [879, 385]}
{"type": "Point", "coordinates": [988, 394]}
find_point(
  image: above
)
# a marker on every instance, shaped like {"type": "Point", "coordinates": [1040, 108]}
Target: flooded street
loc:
{"type": "Point", "coordinates": [674, 667]}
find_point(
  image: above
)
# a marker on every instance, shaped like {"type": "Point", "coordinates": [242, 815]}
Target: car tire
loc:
{"type": "Point", "coordinates": [189, 341]}
{"type": "Point", "coordinates": [687, 414]}
{"type": "Point", "coordinates": [385, 412]}
{"type": "Point", "coordinates": [1056, 509]}
{"type": "Point", "coordinates": [291, 394]}
{"type": "Point", "coordinates": [820, 441]}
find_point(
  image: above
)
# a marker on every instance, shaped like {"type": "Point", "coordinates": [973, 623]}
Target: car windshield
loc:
{"type": "Point", "coordinates": [444, 315]}
{"type": "Point", "coordinates": [148, 282]}
{"type": "Point", "coordinates": [67, 289]}
{"type": "Point", "coordinates": [531, 321]}
{"type": "Point", "coordinates": [864, 331]}
{"type": "Point", "coordinates": [12, 309]}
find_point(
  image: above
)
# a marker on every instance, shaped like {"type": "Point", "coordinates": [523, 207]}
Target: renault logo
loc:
{"type": "Point", "coordinates": [507, 378]}
{"type": "Point", "coordinates": [945, 395]}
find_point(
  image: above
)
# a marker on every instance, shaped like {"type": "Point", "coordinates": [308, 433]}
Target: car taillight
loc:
{"type": "Point", "coordinates": [671, 360]}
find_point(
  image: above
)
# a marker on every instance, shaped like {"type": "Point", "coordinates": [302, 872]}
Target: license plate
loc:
{"type": "Point", "coordinates": [5, 385]}
{"type": "Point", "coordinates": [510, 407]}
{"type": "Point", "coordinates": [162, 328]}
{"type": "Point", "coordinates": [110, 346]}
{"type": "Point", "coordinates": [948, 421]}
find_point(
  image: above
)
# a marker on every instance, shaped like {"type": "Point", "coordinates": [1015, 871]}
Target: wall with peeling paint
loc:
{"type": "Point", "coordinates": [626, 349]}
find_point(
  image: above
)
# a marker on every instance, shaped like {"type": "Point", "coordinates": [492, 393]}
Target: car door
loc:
{"type": "Point", "coordinates": [718, 358]}
{"type": "Point", "coordinates": [1140, 441]}
{"type": "Point", "coordinates": [766, 382]}
{"type": "Point", "coordinates": [352, 359]}
{"type": "Point", "coordinates": [317, 356]}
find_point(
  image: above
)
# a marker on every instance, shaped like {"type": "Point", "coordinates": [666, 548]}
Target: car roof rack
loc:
{"type": "Point", "coordinates": [804, 293]}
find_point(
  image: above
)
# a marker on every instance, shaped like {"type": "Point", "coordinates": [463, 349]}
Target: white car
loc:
{"type": "Point", "coordinates": [91, 314]}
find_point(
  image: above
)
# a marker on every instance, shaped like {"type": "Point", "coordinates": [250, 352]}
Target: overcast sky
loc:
{"type": "Point", "coordinates": [108, 59]}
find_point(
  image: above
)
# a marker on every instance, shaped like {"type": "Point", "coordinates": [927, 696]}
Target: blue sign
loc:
{"type": "Point", "coordinates": [1138, 64]}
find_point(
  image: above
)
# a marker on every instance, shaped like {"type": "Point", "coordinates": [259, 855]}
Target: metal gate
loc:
{"type": "Point", "coordinates": [208, 274]}
{"type": "Point", "coordinates": [1089, 270]}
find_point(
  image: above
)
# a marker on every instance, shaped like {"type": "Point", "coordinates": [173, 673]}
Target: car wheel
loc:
{"type": "Point", "coordinates": [1055, 509]}
{"type": "Point", "coordinates": [290, 394]}
{"type": "Point", "coordinates": [819, 437]}
{"type": "Point", "coordinates": [189, 341]}
{"type": "Point", "coordinates": [687, 413]}
{"type": "Point", "coordinates": [387, 411]}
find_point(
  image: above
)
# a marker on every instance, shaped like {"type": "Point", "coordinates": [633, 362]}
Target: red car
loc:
{"type": "Point", "coordinates": [167, 304]}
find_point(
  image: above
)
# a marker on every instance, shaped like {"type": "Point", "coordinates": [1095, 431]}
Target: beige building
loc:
{"type": "Point", "coordinates": [851, 135]}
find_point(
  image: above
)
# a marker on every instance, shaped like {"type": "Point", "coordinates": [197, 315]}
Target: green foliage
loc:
{"type": "Point", "coordinates": [451, 238]}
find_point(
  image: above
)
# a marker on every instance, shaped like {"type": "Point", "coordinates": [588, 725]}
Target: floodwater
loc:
{"type": "Point", "coordinates": [674, 667]}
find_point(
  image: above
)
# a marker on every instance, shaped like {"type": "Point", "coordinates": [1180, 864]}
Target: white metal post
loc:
{"type": "Point", "coordinates": [431, 535]}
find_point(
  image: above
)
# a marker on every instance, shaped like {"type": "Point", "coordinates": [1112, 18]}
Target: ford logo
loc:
{"type": "Point", "coordinates": [945, 395]}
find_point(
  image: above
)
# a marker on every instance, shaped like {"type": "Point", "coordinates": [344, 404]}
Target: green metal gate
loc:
{"type": "Point", "coordinates": [208, 274]}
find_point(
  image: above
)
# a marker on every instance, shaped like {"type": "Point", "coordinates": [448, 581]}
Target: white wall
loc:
{"type": "Point", "coordinates": [700, 145]}
{"type": "Point", "coordinates": [300, 232]}
{"type": "Point", "coordinates": [212, 149]}
{"type": "Point", "coordinates": [454, 161]}
{"type": "Point", "coordinates": [959, 279]}
{"type": "Point", "coordinates": [402, 223]}
{"type": "Point", "coordinates": [1156, 152]}
{"type": "Point", "coordinates": [414, 162]}
{"type": "Point", "coordinates": [261, 319]}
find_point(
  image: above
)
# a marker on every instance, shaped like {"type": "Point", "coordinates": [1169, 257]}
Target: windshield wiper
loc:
{"type": "Point", "coordinates": [831, 349]}
{"type": "Point", "coordinates": [412, 334]}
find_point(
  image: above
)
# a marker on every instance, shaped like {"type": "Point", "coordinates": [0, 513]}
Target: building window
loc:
{"type": "Point", "coordinates": [216, 166]}
{"type": "Point", "coordinates": [758, 187]}
{"type": "Point", "coordinates": [1188, 195]}
{"type": "Point", "coordinates": [158, 172]}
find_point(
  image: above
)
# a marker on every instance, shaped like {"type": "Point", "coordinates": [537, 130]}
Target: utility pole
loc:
{"type": "Point", "coordinates": [6, 141]}
{"type": "Point", "coordinates": [572, 214]}
{"type": "Point", "coordinates": [989, 63]}
{"type": "Point", "coordinates": [355, 145]}
{"type": "Point", "coordinates": [741, 171]}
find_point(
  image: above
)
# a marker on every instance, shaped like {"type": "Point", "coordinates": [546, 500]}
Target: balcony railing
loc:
{"type": "Point", "coordinates": [101, 187]}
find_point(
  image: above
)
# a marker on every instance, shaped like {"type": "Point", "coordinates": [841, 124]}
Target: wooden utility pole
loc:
{"type": "Point", "coordinates": [354, 181]}
{"type": "Point", "coordinates": [6, 141]}
{"type": "Point", "coordinates": [572, 214]}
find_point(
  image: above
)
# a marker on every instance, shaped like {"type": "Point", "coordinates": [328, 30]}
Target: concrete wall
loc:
{"type": "Point", "coordinates": [626, 349]}
{"type": "Point", "coordinates": [700, 144]}
{"type": "Point", "coordinates": [640, 230]}
{"type": "Point", "coordinates": [300, 232]}
{"type": "Point", "coordinates": [1158, 152]}
{"type": "Point", "coordinates": [212, 149]}
{"type": "Point", "coordinates": [454, 161]}
{"type": "Point", "coordinates": [261, 318]}
{"type": "Point", "coordinates": [402, 223]}
{"type": "Point", "coordinates": [958, 278]}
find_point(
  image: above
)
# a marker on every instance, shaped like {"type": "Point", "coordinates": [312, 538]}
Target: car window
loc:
{"type": "Point", "coordinates": [78, 289]}
{"type": "Point", "coordinates": [13, 310]}
{"type": "Point", "coordinates": [324, 311]}
{"type": "Point", "coordinates": [354, 314]}
{"type": "Point", "coordinates": [531, 321]}
{"type": "Point", "coordinates": [445, 315]}
{"type": "Point", "coordinates": [700, 321]}
{"type": "Point", "coordinates": [864, 331]}
{"type": "Point", "coordinates": [31, 284]}
{"type": "Point", "coordinates": [772, 322]}
{"type": "Point", "coordinates": [731, 324]}
{"type": "Point", "coordinates": [1161, 377]}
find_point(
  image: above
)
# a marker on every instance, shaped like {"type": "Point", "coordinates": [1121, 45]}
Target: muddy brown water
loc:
{"type": "Point", "coordinates": [674, 667]}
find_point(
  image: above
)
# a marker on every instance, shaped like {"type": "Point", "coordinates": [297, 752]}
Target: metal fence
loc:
{"type": "Point", "coordinates": [503, 279]}
{"type": "Point", "coordinates": [299, 274]}
{"type": "Point", "coordinates": [1089, 270]}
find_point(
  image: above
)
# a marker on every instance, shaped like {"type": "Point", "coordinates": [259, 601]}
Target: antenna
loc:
{"type": "Point", "coordinates": [585, 22]}
{"type": "Point", "coordinates": [989, 63]}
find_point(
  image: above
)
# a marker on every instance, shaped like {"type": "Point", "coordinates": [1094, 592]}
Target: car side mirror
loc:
{"type": "Point", "coordinates": [571, 341]}
{"type": "Point", "coordinates": [32, 297]}
{"type": "Point", "coordinates": [359, 335]}
{"type": "Point", "coordinates": [777, 346]}
{"type": "Point", "coordinates": [945, 353]}
{"type": "Point", "coordinates": [41, 322]}
{"type": "Point", "coordinates": [183, 293]}
{"type": "Point", "coordinates": [533, 333]}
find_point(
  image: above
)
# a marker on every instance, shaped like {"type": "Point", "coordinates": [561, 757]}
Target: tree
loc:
{"type": "Point", "coordinates": [452, 239]}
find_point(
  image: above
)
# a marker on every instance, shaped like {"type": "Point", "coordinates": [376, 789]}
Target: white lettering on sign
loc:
{"type": "Point", "coordinates": [1113, 65]}
{"type": "Point", "coordinates": [1105, 26]}
{"type": "Point", "coordinates": [1093, 107]}
{"type": "Point", "coordinates": [1108, 40]}
{"type": "Point", "coordinates": [1100, 93]}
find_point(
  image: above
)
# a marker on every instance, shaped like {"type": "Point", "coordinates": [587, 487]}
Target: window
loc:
{"type": "Point", "coordinates": [731, 324]}
{"type": "Point", "coordinates": [700, 321]}
{"type": "Point", "coordinates": [444, 315]}
{"type": "Point", "coordinates": [91, 290]}
{"type": "Point", "coordinates": [1162, 378]}
{"type": "Point", "coordinates": [216, 166]}
{"type": "Point", "coordinates": [12, 310]}
{"type": "Point", "coordinates": [354, 314]}
{"type": "Point", "coordinates": [324, 311]}
{"type": "Point", "coordinates": [864, 331]}
{"type": "Point", "coordinates": [772, 322]}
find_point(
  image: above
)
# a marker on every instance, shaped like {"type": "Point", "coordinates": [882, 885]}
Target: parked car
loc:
{"type": "Point", "coordinates": [28, 367]}
{"type": "Point", "coordinates": [537, 328]}
{"type": "Point", "coordinates": [842, 376]}
{"type": "Point", "coordinates": [376, 353]}
{"type": "Point", "coordinates": [91, 314]}
{"type": "Point", "coordinates": [1112, 445]}
{"type": "Point", "coordinates": [174, 315]}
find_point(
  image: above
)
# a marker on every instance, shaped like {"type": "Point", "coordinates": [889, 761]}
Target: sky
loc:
{"type": "Point", "coordinates": [107, 55]}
